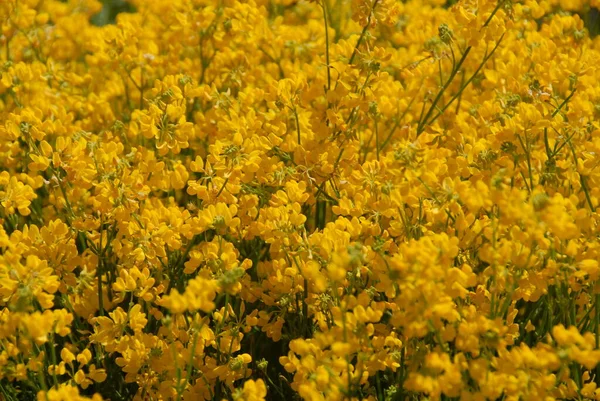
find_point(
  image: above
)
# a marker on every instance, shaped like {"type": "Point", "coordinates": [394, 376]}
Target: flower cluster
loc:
{"type": "Point", "coordinates": [299, 200]}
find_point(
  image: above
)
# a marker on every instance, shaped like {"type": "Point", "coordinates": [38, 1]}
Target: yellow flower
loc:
{"type": "Point", "coordinates": [198, 295]}
{"type": "Point", "coordinates": [14, 195]}
{"type": "Point", "coordinates": [65, 392]}
{"type": "Point", "coordinates": [252, 391]}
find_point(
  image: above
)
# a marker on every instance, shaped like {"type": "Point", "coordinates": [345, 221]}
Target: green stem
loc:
{"type": "Point", "coordinates": [377, 139]}
{"type": "Point", "coordinates": [425, 121]}
{"type": "Point", "coordinates": [345, 335]}
{"type": "Point", "coordinates": [422, 122]}
{"type": "Point", "coordinates": [298, 122]}
{"type": "Point", "coordinates": [559, 108]}
{"type": "Point", "coordinates": [582, 180]}
{"type": "Point", "coordinates": [362, 34]}
{"type": "Point", "coordinates": [525, 147]}
{"type": "Point", "coordinates": [324, 6]}
{"type": "Point", "coordinates": [100, 298]}
{"type": "Point", "coordinates": [397, 123]}
{"type": "Point", "coordinates": [597, 331]}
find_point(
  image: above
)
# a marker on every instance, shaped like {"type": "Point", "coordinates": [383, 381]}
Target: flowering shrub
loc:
{"type": "Point", "coordinates": [285, 200]}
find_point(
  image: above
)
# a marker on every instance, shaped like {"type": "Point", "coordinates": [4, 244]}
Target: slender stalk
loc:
{"type": "Point", "coordinates": [366, 152]}
{"type": "Point", "coordinates": [559, 108]}
{"type": "Point", "coordinates": [324, 6]}
{"type": "Point", "coordinates": [345, 336]}
{"type": "Point", "coordinates": [362, 34]}
{"type": "Point", "coordinates": [53, 356]}
{"type": "Point", "coordinates": [397, 123]}
{"type": "Point", "coordinates": [223, 187]}
{"type": "Point", "coordinates": [525, 147]}
{"type": "Point", "coordinates": [547, 144]}
{"type": "Point", "coordinates": [305, 309]}
{"type": "Point", "coordinates": [462, 82]}
{"type": "Point", "coordinates": [100, 297]}
{"type": "Point", "coordinates": [582, 180]}
{"type": "Point", "coordinates": [426, 121]}
{"type": "Point", "coordinates": [377, 138]}
{"type": "Point", "coordinates": [190, 365]}
{"type": "Point", "coordinates": [298, 121]}
{"type": "Point", "coordinates": [597, 330]}
{"type": "Point", "coordinates": [422, 122]}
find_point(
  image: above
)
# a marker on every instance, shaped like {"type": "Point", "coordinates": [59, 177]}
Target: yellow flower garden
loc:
{"type": "Point", "coordinates": [253, 200]}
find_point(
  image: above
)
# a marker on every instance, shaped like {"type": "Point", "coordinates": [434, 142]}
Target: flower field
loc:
{"type": "Point", "coordinates": [291, 200]}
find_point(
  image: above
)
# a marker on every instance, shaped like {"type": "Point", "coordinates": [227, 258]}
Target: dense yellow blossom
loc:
{"type": "Point", "coordinates": [299, 200]}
